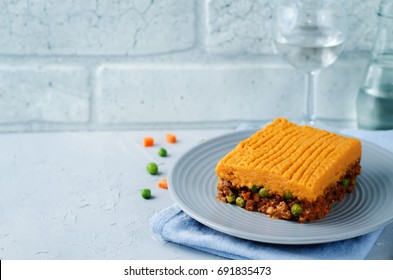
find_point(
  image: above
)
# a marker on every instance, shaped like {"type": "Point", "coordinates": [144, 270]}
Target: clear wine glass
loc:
{"type": "Point", "coordinates": [310, 34]}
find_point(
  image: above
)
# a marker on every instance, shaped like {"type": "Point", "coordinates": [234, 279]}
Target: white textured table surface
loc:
{"type": "Point", "coordinates": [76, 196]}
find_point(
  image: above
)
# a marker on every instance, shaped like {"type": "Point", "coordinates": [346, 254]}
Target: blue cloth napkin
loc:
{"type": "Point", "coordinates": [173, 225]}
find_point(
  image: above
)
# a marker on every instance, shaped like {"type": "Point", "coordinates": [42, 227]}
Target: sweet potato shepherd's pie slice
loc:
{"type": "Point", "coordinates": [289, 172]}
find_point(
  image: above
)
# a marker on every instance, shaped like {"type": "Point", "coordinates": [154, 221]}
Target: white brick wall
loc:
{"type": "Point", "coordinates": [44, 93]}
{"type": "Point", "coordinates": [236, 27]}
{"type": "Point", "coordinates": [195, 93]}
{"type": "Point", "coordinates": [96, 27]}
{"type": "Point", "coordinates": [108, 64]}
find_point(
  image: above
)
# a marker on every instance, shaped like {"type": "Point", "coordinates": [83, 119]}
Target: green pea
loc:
{"type": "Point", "coordinates": [162, 152]}
{"type": "Point", "coordinates": [231, 198]}
{"type": "Point", "coordinates": [254, 189]}
{"type": "Point", "coordinates": [346, 182]}
{"type": "Point", "coordinates": [146, 193]}
{"type": "Point", "coordinates": [240, 201]}
{"type": "Point", "coordinates": [288, 195]}
{"type": "Point", "coordinates": [152, 168]}
{"type": "Point", "coordinates": [264, 192]}
{"type": "Point", "coordinates": [296, 209]}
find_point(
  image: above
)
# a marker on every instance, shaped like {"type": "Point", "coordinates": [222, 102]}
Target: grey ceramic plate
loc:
{"type": "Point", "coordinates": [192, 182]}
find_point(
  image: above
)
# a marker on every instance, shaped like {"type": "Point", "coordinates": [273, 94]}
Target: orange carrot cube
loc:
{"type": "Point", "coordinates": [163, 183]}
{"type": "Point", "coordinates": [171, 138]}
{"type": "Point", "coordinates": [148, 142]}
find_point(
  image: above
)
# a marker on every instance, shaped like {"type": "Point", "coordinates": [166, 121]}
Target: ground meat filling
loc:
{"type": "Point", "coordinates": [277, 206]}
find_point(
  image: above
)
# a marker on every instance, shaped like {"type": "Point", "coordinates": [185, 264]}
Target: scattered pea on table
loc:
{"type": "Point", "coordinates": [162, 152]}
{"type": "Point", "coordinates": [152, 168]}
{"type": "Point", "coordinates": [146, 193]}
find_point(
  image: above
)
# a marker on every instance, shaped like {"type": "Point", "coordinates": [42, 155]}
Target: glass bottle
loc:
{"type": "Point", "coordinates": [374, 103]}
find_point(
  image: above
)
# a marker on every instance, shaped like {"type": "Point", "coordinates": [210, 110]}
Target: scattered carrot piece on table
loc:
{"type": "Point", "coordinates": [171, 138]}
{"type": "Point", "coordinates": [148, 141]}
{"type": "Point", "coordinates": [163, 183]}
